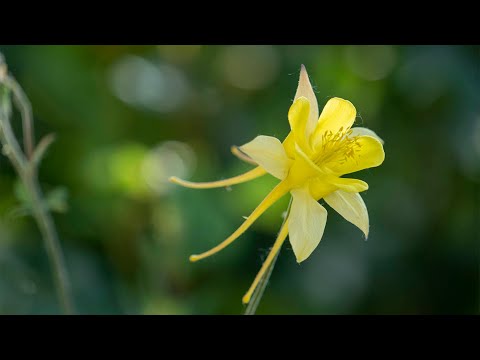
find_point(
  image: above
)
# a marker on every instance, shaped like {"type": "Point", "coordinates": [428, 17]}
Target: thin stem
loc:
{"type": "Point", "coordinates": [258, 294]}
{"type": "Point", "coordinates": [22, 102]}
{"type": "Point", "coordinates": [49, 234]}
{"type": "Point", "coordinates": [259, 291]}
{"type": "Point", "coordinates": [26, 169]}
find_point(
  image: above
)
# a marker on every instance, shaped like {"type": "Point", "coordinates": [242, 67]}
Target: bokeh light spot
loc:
{"type": "Point", "coordinates": [125, 164]}
{"type": "Point", "coordinates": [117, 169]}
{"type": "Point", "coordinates": [373, 62]}
{"type": "Point", "coordinates": [249, 67]}
{"type": "Point", "coordinates": [141, 83]}
{"type": "Point", "coordinates": [476, 136]}
{"type": "Point", "coordinates": [171, 158]}
{"type": "Point", "coordinates": [179, 54]}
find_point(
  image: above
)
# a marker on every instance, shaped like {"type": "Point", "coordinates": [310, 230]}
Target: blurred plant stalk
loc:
{"type": "Point", "coordinates": [262, 285]}
{"type": "Point", "coordinates": [26, 163]}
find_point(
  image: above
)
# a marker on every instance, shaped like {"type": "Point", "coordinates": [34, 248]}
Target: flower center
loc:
{"type": "Point", "coordinates": [336, 147]}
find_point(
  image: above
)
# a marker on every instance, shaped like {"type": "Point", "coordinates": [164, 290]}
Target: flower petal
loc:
{"type": "Point", "coordinates": [306, 223]}
{"type": "Point", "coordinates": [289, 145]}
{"type": "Point", "coordinates": [368, 153]}
{"type": "Point", "coordinates": [320, 187]}
{"type": "Point", "coordinates": [302, 169]}
{"type": "Point", "coordinates": [298, 117]}
{"type": "Point", "coordinates": [337, 114]}
{"type": "Point", "coordinates": [349, 185]}
{"type": "Point", "coordinates": [351, 206]}
{"type": "Point", "coordinates": [268, 152]}
{"type": "Point", "coordinates": [361, 131]}
{"type": "Point", "coordinates": [305, 89]}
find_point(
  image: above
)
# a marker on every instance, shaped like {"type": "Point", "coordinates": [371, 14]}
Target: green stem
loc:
{"type": "Point", "coordinates": [52, 245]}
{"type": "Point", "coordinates": [27, 172]}
{"type": "Point", "coordinates": [258, 294]}
{"type": "Point", "coordinates": [259, 291]}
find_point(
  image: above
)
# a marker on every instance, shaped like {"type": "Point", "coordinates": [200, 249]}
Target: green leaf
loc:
{"type": "Point", "coordinates": [57, 199]}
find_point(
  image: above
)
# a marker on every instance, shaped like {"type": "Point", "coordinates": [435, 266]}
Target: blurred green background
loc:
{"type": "Point", "coordinates": [127, 117]}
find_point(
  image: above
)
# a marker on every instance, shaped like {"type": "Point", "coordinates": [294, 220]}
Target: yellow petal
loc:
{"type": "Point", "coordinates": [338, 114]}
{"type": "Point", "coordinates": [306, 223]}
{"type": "Point", "coordinates": [298, 117]}
{"type": "Point", "coordinates": [302, 170]}
{"type": "Point", "coordinates": [305, 89]}
{"type": "Point", "coordinates": [351, 206]}
{"type": "Point", "coordinates": [368, 153]}
{"type": "Point", "coordinates": [289, 145]}
{"type": "Point", "coordinates": [361, 131]}
{"type": "Point", "coordinates": [319, 187]}
{"type": "Point", "coordinates": [349, 185]}
{"type": "Point", "coordinates": [268, 152]}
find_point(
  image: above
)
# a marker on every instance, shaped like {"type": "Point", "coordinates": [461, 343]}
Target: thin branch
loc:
{"type": "Point", "coordinates": [41, 149]}
{"type": "Point", "coordinates": [26, 168]}
{"type": "Point", "coordinates": [23, 104]}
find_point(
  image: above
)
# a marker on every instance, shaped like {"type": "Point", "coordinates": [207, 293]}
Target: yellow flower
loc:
{"type": "Point", "coordinates": [310, 164]}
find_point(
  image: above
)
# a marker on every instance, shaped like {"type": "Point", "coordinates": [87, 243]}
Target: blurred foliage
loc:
{"type": "Point", "coordinates": [127, 117]}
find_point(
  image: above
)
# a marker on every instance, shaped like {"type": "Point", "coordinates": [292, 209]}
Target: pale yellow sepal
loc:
{"type": "Point", "coordinates": [352, 207]}
{"type": "Point", "coordinates": [305, 89]}
{"type": "Point", "coordinates": [268, 152]}
{"type": "Point", "coordinates": [361, 131]}
{"type": "Point", "coordinates": [306, 223]}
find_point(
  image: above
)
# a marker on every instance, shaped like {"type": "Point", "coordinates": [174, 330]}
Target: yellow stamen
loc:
{"type": "Point", "coordinates": [282, 235]}
{"type": "Point", "coordinates": [277, 192]}
{"type": "Point", "coordinates": [239, 154]}
{"type": "Point", "coordinates": [336, 147]}
{"type": "Point", "coordinates": [249, 175]}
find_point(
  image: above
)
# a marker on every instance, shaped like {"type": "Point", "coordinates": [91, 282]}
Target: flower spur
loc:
{"type": "Point", "coordinates": [310, 164]}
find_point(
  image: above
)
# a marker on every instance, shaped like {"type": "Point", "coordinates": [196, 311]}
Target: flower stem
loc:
{"type": "Point", "coordinates": [258, 294]}
{"type": "Point", "coordinates": [259, 291]}
{"type": "Point", "coordinates": [27, 171]}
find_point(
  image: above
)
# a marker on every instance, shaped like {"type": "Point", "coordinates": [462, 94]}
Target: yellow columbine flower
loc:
{"type": "Point", "coordinates": [310, 164]}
